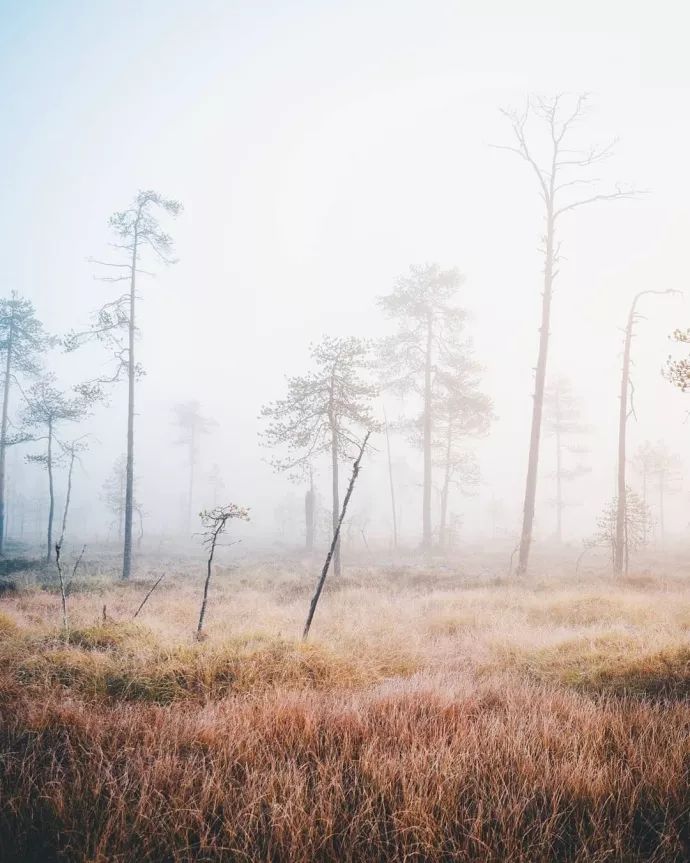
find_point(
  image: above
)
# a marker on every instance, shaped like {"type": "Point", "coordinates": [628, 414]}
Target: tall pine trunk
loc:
{"type": "Point", "coordinates": [129, 488]}
{"type": "Point", "coordinates": [539, 384]}
{"type": "Point", "coordinates": [3, 430]}
{"type": "Point", "coordinates": [426, 502]}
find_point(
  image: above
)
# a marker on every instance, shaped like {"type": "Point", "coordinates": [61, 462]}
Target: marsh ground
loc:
{"type": "Point", "coordinates": [437, 713]}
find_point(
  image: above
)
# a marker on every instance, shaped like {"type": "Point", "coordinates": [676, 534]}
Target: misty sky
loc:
{"type": "Point", "coordinates": [319, 149]}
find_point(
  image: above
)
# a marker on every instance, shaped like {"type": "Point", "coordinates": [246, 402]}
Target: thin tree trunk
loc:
{"type": "Point", "coordinates": [51, 491]}
{"type": "Point", "coordinates": [390, 480]}
{"type": "Point", "coordinates": [3, 429]}
{"type": "Point", "coordinates": [426, 502]}
{"type": "Point", "coordinates": [334, 541]}
{"type": "Point", "coordinates": [129, 490]}
{"type": "Point", "coordinates": [204, 601]}
{"type": "Point", "coordinates": [539, 384]}
{"type": "Point", "coordinates": [67, 497]}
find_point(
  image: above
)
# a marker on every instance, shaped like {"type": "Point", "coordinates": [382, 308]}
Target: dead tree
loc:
{"type": "Point", "coordinates": [64, 584]}
{"type": "Point", "coordinates": [626, 409]}
{"type": "Point", "coordinates": [564, 169]}
{"type": "Point", "coordinates": [215, 521]}
{"type": "Point", "coordinates": [71, 450]}
{"type": "Point", "coordinates": [192, 426]}
{"type": "Point", "coordinates": [334, 541]}
{"type": "Point", "coordinates": [146, 598]}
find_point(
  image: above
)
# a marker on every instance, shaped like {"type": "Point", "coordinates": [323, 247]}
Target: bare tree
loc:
{"type": "Point", "coordinates": [215, 521]}
{"type": "Point", "coordinates": [427, 340]}
{"type": "Point", "coordinates": [626, 409]}
{"type": "Point", "coordinates": [562, 421]}
{"type": "Point", "coordinates": [192, 426]}
{"type": "Point", "coordinates": [559, 174]}
{"type": "Point", "coordinates": [322, 412]}
{"type": "Point", "coordinates": [22, 342]}
{"type": "Point", "coordinates": [137, 229]}
{"type": "Point", "coordinates": [48, 407]}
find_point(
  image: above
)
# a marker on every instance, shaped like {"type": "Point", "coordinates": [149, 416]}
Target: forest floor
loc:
{"type": "Point", "coordinates": [434, 715]}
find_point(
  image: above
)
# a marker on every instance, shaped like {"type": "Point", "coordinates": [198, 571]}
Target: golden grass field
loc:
{"type": "Point", "coordinates": [433, 715]}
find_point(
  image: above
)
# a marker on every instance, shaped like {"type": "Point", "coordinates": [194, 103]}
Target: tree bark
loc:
{"type": "Point", "coordinates": [129, 488]}
{"type": "Point", "coordinates": [3, 430]}
{"type": "Point", "coordinates": [426, 502]}
{"type": "Point", "coordinates": [539, 384]}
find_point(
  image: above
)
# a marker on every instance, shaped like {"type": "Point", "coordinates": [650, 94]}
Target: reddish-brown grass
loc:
{"type": "Point", "coordinates": [478, 723]}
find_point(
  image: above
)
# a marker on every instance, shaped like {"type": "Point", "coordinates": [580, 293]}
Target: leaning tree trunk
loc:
{"type": "Point", "coordinates": [309, 512]}
{"type": "Point", "coordinates": [426, 502]}
{"type": "Point", "coordinates": [539, 383]}
{"type": "Point", "coordinates": [68, 497]}
{"type": "Point", "coordinates": [3, 429]}
{"type": "Point", "coordinates": [131, 373]}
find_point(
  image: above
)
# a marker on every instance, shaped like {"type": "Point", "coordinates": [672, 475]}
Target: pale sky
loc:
{"type": "Point", "coordinates": [319, 149]}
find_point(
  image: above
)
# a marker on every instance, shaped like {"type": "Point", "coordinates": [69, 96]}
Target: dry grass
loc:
{"type": "Point", "coordinates": [434, 717]}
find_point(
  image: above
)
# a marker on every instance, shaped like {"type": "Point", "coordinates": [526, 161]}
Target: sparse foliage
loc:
{"type": "Point", "coordinates": [566, 168]}
{"type": "Point", "coordinates": [215, 522]}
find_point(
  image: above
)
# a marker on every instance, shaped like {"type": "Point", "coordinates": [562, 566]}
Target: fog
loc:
{"type": "Point", "coordinates": [319, 150]}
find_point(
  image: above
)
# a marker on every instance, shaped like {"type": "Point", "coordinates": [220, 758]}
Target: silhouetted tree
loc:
{"type": "Point", "coordinates": [665, 467]}
{"type": "Point", "coordinates": [562, 421]}
{"type": "Point", "coordinates": [192, 426]}
{"type": "Point", "coordinates": [137, 230]}
{"type": "Point", "coordinates": [215, 480]}
{"type": "Point", "coordinates": [427, 341]}
{"type": "Point", "coordinates": [71, 451]}
{"type": "Point", "coordinates": [22, 342]}
{"type": "Point", "coordinates": [323, 411]}
{"type": "Point", "coordinates": [562, 170]}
